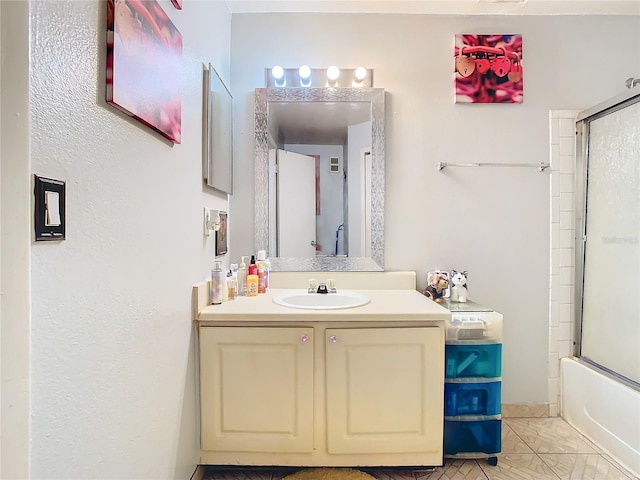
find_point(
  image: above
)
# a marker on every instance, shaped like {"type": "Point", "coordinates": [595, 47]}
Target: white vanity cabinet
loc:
{"type": "Point", "coordinates": [256, 389]}
{"type": "Point", "coordinates": [360, 386]}
{"type": "Point", "coordinates": [321, 393]}
{"type": "Point", "coordinates": [382, 392]}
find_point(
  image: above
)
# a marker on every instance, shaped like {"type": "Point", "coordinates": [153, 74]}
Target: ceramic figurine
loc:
{"type": "Point", "coordinates": [437, 286]}
{"type": "Point", "coordinates": [459, 286]}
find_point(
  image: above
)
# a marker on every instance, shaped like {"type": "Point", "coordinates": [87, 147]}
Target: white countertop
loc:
{"type": "Point", "coordinates": [385, 305]}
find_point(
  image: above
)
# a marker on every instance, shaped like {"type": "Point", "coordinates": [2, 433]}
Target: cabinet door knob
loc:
{"type": "Point", "coordinates": [333, 339]}
{"type": "Point", "coordinates": [304, 338]}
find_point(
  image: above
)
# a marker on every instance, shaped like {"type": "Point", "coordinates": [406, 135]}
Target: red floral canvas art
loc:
{"type": "Point", "coordinates": [144, 65]}
{"type": "Point", "coordinates": [488, 68]}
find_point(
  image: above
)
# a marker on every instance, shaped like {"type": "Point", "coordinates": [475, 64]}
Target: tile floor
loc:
{"type": "Point", "coordinates": [532, 448]}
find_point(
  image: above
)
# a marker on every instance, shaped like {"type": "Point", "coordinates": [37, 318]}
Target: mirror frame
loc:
{"type": "Point", "coordinates": [376, 96]}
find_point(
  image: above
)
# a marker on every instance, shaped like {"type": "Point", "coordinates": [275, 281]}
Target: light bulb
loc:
{"type": "Point", "coordinates": [333, 73]}
{"type": "Point", "coordinates": [360, 73]}
{"type": "Point", "coordinates": [277, 71]}
{"type": "Point", "coordinates": [304, 71]}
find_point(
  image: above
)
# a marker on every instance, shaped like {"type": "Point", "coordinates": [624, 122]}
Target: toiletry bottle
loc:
{"type": "Point", "coordinates": [261, 278]}
{"type": "Point", "coordinates": [225, 288]}
{"type": "Point", "coordinates": [242, 278]}
{"type": "Point", "coordinates": [252, 269]}
{"type": "Point", "coordinates": [234, 275]}
{"type": "Point", "coordinates": [252, 285]}
{"type": "Point", "coordinates": [265, 265]}
{"type": "Point", "coordinates": [216, 284]}
{"type": "Point", "coordinates": [231, 286]}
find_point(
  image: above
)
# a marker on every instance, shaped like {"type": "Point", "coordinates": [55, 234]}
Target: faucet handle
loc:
{"type": "Point", "coordinates": [331, 284]}
{"type": "Point", "coordinates": [322, 288]}
{"type": "Point", "coordinates": [313, 285]}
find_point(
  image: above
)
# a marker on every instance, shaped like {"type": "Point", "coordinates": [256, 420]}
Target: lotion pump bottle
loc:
{"type": "Point", "coordinates": [242, 277]}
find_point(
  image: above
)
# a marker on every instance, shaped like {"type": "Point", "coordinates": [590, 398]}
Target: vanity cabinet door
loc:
{"type": "Point", "coordinates": [256, 389]}
{"type": "Point", "coordinates": [385, 390]}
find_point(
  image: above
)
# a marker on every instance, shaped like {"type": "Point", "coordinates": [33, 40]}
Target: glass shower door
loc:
{"type": "Point", "coordinates": [610, 320]}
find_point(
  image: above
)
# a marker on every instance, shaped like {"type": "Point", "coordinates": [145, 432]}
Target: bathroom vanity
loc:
{"type": "Point", "coordinates": [305, 387]}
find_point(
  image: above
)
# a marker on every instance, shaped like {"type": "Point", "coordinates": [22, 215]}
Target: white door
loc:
{"type": "Point", "coordinates": [296, 205]}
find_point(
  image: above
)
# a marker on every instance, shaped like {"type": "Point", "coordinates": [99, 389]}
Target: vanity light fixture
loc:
{"type": "Point", "coordinates": [359, 75]}
{"type": "Point", "coordinates": [307, 77]}
{"type": "Point", "coordinates": [277, 72]}
{"type": "Point", "coordinates": [333, 72]}
{"type": "Point", "coordinates": [304, 72]}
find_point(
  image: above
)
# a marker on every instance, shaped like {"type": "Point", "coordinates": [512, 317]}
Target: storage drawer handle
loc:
{"type": "Point", "coordinates": [333, 339]}
{"type": "Point", "coordinates": [304, 338]}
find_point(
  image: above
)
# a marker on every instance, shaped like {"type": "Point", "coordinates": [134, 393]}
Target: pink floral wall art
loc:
{"type": "Point", "coordinates": [488, 68]}
{"type": "Point", "coordinates": [144, 65]}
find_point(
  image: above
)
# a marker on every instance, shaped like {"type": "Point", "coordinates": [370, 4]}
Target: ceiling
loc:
{"type": "Point", "coordinates": [444, 7]}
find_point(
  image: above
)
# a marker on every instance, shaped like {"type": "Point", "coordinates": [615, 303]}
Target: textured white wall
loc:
{"type": "Point", "coordinates": [492, 222]}
{"type": "Point", "coordinates": [112, 340]}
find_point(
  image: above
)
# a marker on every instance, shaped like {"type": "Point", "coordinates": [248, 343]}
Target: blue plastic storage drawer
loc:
{"type": "Point", "coordinates": [473, 360]}
{"type": "Point", "coordinates": [468, 398]}
{"type": "Point", "coordinates": [477, 436]}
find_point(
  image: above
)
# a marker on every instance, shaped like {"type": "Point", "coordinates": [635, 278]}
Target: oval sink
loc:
{"type": "Point", "coordinates": [321, 301]}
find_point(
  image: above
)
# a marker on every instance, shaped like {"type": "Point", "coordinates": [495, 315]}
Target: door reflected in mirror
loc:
{"type": "Point", "coordinates": [320, 173]}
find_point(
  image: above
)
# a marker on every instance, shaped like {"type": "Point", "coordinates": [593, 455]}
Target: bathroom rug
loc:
{"type": "Point", "coordinates": [329, 474]}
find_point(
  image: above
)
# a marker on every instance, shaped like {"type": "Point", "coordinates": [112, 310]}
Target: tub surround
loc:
{"type": "Point", "coordinates": [296, 387]}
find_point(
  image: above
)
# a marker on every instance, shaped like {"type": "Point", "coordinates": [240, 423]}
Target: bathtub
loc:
{"type": "Point", "coordinates": [604, 410]}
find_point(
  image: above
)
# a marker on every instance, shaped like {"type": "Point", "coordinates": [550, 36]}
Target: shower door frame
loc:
{"type": "Point", "coordinates": [583, 121]}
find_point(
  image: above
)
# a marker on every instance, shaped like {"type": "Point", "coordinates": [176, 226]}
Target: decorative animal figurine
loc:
{"type": "Point", "coordinates": [459, 288]}
{"type": "Point", "coordinates": [438, 283]}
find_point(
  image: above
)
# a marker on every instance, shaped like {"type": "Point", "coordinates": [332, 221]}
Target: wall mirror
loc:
{"type": "Point", "coordinates": [319, 178]}
{"type": "Point", "coordinates": [217, 163]}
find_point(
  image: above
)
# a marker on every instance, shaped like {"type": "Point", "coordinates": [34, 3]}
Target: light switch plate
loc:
{"type": "Point", "coordinates": [49, 211]}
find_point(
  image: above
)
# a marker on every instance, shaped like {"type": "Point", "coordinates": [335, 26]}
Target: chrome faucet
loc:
{"type": "Point", "coordinates": [322, 287]}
